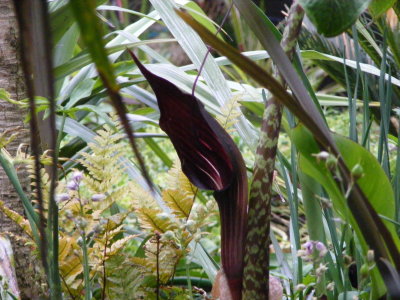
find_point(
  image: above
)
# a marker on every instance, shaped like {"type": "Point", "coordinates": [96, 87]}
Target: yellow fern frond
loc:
{"type": "Point", "coordinates": [17, 218]}
{"type": "Point", "coordinates": [119, 245]}
{"type": "Point", "coordinates": [168, 256]}
{"type": "Point", "coordinates": [9, 135]}
{"type": "Point", "coordinates": [179, 202]}
{"type": "Point", "coordinates": [230, 114]}
{"type": "Point", "coordinates": [154, 219]}
{"type": "Point", "coordinates": [180, 193]}
{"type": "Point", "coordinates": [149, 214]}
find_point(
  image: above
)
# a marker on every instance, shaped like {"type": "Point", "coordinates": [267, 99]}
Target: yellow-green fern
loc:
{"type": "Point", "coordinates": [230, 114]}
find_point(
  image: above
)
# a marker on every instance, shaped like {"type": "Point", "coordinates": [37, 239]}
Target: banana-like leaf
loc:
{"type": "Point", "coordinates": [373, 182]}
{"type": "Point", "coordinates": [378, 7]}
{"type": "Point", "coordinates": [332, 17]}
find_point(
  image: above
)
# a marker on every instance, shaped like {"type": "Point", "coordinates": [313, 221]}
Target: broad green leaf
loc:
{"type": "Point", "coordinates": [374, 183]}
{"type": "Point", "coordinates": [63, 50]}
{"type": "Point", "coordinates": [332, 17]}
{"type": "Point", "coordinates": [378, 7]}
{"type": "Point", "coordinates": [82, 90]}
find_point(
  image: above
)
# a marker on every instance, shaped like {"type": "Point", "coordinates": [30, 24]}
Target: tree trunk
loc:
{"type": "Point", "coordinates": [11, 116]}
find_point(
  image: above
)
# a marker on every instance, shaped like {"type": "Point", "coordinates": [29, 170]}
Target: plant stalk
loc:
{"type": "Point", "coordinates": [256, 268]}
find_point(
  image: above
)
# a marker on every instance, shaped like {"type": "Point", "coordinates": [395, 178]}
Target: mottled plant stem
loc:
{"type": "Point", "coordinates": [256, 269]}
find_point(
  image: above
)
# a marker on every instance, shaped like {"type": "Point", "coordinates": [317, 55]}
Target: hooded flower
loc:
{"type": "Point", "coordinates": [211, 161]}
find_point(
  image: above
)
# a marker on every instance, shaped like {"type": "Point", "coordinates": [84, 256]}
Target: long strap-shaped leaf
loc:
{"type": "Point", "coordinates": [374, 231]}
{"type": "Point", "coordinates": [34, 28]}
{"type": "Point", "coordinates": [256, 260]}
{"type": "Point", "coordinates": [91, 32]}
{"type": "Point", "coordinates": [195, 49]}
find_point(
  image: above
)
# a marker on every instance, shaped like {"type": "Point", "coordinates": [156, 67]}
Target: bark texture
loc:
{"type": "Point", "coordinates": [11, 79]}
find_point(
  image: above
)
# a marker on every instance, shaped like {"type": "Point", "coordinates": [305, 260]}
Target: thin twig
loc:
{"type": "Point", "coordinates": [157, 236]}
{"type": "Point", "coordinates": [66, 285]}
{"type": "Point", "coordinates": [103, 293]}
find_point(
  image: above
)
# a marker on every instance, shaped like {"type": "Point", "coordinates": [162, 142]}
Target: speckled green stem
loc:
{"type": "Point", "coordinates": [256, 269]}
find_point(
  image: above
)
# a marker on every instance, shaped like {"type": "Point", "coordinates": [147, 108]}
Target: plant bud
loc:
{"type": "Point", "coordinates": [72, 185]}
{"type": "Point", "coordinates": [330, 286]}
{"type": "Point", "coordinates": [77, 176]}
{"type": "Point", "coordinates": [331, 162]}
{"type": "Point", "coordinates": [98, 197]}
{"type": "Point", "coordinates": [364, 271]}
{"type": "Point", "coordinates": [62, 197]}
{"type": "Point", "coordinates": [357, 172]}
{"type": "Point", "coordinates": [347, 260]}
{"type": "Point", "coordinates": [300, 287]}
{"type": "Point", "coordinates": [69, 214]}
{"type": "Point", "coordinates": [322, 156]}
{"type": "Point", "coordinates": [81, 223]}
{"type": "Point", "coordinates": [371, 256]}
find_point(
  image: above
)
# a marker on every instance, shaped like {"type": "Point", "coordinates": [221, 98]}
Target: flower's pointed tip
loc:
{"type": "Point", "coordinates": [203, 146]}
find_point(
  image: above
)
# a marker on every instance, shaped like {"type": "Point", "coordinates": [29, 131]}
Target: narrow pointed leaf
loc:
{"type": "Point", "coordinates": [85, 14]}
{"type": "Point", "coordinates": [34, 26]}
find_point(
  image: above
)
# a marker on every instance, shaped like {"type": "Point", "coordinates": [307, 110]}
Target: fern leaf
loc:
{"type": "Point", "coordinates": [154, 219]}
{"type": "Point", "coordinates": [149, 214]}
{"type": "Point", "coordinates": [118, 245]}
{"type": "Point", "coordinates": [180, 193]}
{"type": "Point", "coordinates": [17, 218]}
{"type": "Point", "coordinates": [230, 114]}
{"type": "Point", "coordinates": [179, 202]}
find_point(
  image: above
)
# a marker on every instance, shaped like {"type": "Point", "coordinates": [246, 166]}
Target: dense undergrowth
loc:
{"type": "Point", "coordinates": [317, 153]}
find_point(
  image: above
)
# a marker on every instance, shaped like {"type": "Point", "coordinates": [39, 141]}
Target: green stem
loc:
{"type": "Point", "coordinates": [256, 260]}
{"type": "Point", "coordinates": [189, 281]}
{"type": "Point", "coordinates": [53, 224]}
{"type": "Point", "coordinates": [86, 270]}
